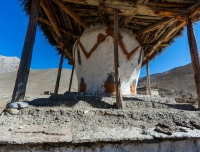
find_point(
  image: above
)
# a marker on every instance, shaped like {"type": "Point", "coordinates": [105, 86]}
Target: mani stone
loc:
{"type": "Point", "coordinates": [17, 105]}
{"type": "Point", "coordinates": [12, 111]}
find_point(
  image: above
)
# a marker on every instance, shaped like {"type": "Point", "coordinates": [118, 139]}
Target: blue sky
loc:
{"type": "Point", "coordinates": [13, 25]}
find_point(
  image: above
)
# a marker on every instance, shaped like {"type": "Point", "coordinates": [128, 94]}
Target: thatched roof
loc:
{"type": "Point", "coordinates": [154, 22]}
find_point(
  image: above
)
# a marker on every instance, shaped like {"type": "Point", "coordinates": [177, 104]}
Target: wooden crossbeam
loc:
{"type": "Point", "coordinates": [50, 15]}
{"type": "Point", "coordinates": [71, 13]}
{"type": "Point", "coordinates": [154, 26]}
{"type": "Point", "coordinates": [195, 10]}
{"type": "Point", "coordinates": [164, 37]}
{"type": "Point", "coordinates": [66, 31]}
{"type": "Point", "coordinates": [102, 16]}
{"type": "Point", "coordinates": [181, 15]}
{"type": "Point", "coordinates": [127, 19]}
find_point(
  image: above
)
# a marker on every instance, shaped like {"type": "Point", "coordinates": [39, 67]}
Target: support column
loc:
{"type": "Point", "coordinates": [119, 100]}
{"type": "Point", "coordinates": [70, 84]}
{"type": "Point", "coordinates": [24, 66]}
{"type": "Point", "coordinates": [59, 75]}
{"type": "Point", "coordinates": [148, 77]}
{"type": "Point", "coordinates": [194, 57]}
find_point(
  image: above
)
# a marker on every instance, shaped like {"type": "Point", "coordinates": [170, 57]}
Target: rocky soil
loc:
{"type": "Point", "coordinates": [93, 118]}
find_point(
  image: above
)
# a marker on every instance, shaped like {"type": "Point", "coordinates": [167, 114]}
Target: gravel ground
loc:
{"type": "Point", "coordinates": [85, 113]}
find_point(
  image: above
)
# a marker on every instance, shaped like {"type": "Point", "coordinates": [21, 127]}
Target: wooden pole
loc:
{"type": "Point", "coordinates": [194, 56]}
{"type": "Point", "coordinates": [59, 74]}
{"type": "Point", "coordinates": [70, 84]}
{"type": "Point", "coordinates": [24, 66]}
{"type": "Point", "coordinates": [119, 100]}
{"type": "Point", "coordinates": [148, 77]}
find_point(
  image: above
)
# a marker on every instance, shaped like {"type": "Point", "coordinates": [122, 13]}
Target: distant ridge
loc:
{"type": "Point", "coordinates": [179, 80]}
{"type": "Point", "coordinates": [8, 64]}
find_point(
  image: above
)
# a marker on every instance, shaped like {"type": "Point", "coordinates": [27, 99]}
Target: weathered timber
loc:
{"type": "Point", "coordinates": [102, 16]}
{"type": "Point", "coordinates": [24, 66]}
{"type": "Point", "coordinates": [70, 83]}
{"type": "Point", "coordinates": [71, 13]}
{"type": "Point", "coordinates": [64, 30]}
{"type": "Point", "coordinates": [148, 77]}
{"type": "Point", "coordinates": [164, 37]}
{"type": "Point", "coordinates": [172, 5]}
{"type": "Point", "coordinates": [127, 19]}
{"type": "Point", "coordinates": [154, 26]}
{"type": "Point", "coordinates": [194, 56]}
{"type": "Point", "coordinates": [59, 75]}
{"type": "Point", "coordinates": [119, 100]}
{"type": "Point", "coordinates": [181, 15]}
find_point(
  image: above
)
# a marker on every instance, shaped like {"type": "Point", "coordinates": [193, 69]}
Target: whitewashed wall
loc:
{"type": "Point", "coordinates": [95, 69]}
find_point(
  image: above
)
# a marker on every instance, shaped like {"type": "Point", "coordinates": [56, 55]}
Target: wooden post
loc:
{"type": "Point", "coordinates": [119, 100]}
{"type": "Point", "coordinates": [148, 77]}
{"type": "Point", "coordinates": [194, 56]}
{"type": "Point", "coordinates": [24, 66]}
{"type": "Point", "coordinates": [70, 84]}
{"type": "Point", "coordinates": [59, 74]}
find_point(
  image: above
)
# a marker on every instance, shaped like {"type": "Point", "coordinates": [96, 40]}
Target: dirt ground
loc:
{"type": "Point", "coordinates": [85, 113]}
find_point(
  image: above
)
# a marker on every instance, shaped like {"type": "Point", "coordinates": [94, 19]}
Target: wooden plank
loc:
{"type": "Point", "coordinates": [119, 100]}
{"type": "Point", "coordinates": [70, 84]}
{"type": "Point", "coordinates": [195, 10]}
{"type": "Point", "coordinates": [148, 77]}
{"type": "Point", "coordinates": [164, 37]}
{"type": "Point", "coordinates": [71, 13]}
{"type": "Point", "coordinates": [154, 26]}
{"type": "Point", "coordinates": [66, 31]}
{"type": "Point", "coordinates": [24, 66]}
{"type": "Point", "coordinates": [59, 74]}
{"type": "Point", "coordinates": [195, 57]}
{"type": "Point", "coordinates": [171, 5]}
{"type": "Point", "coordinates": [127, 19]}
{"type": "Point", "coordinates": [50, 15]}
{"type": "Point", "coordinates": [181, 15]}
{"type": "Point", "coordinates": [102, 16]}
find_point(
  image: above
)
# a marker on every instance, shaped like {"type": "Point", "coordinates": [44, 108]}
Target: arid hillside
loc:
{"type": "Point", "coordinates": [179, 80]}
{"type": "Point", "coordinates": [38, 82]}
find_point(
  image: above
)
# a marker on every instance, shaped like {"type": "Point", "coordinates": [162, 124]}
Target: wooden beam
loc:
{"type": "Point", "coordinates": [154, 26]}
{"type": "Point", "coordinates": [171, 5]}
{"type": "Point", "coordinates": [59, 74]}
{"type": "Point", "coordinates": [71, 13]}
{"type": "Point", "coordinates": [102, 17]}
{"type": "Point", "coordinates": [127, 19]}
{"type": "Point", "coordinates": [119, 100]}
{"type": "Point", "coordinates": [164, 37]}
{"type": "Point", "coordinates": [151, 45]}
{"type": "Point", "coordinates": [51, 16]}
{"type": "Point", "coordinates": [195, 57]}
{"type": "Point", "coordinates": [24, 66]}
{"type": "Point", "coordinates": [148, 77]}
{"type": "Point", "coordinates": [181, 15]}
{"type": "Point", "coordinates": [195, 10]}
{"type": "Point", "coordinates": [66, 31]}
{"type": "Point", "coordinates": [70, 84]}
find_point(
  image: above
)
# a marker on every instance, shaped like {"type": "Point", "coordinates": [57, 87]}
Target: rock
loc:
{"type": "Point", "coordinates": [195, 124]}
{"type": "Point", "coordinates": [12, 111]}
{"type": "Point", "coordinates": [12, 105]}
{"type": "Point", "coordinates": [163, 130]}
{"type": "Point", "coordinates": [17, 105]}
{"type": "Point", "coordinates": [22, 105]}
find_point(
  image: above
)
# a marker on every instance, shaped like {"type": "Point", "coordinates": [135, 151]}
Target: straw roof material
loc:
{"type": "Point", "coordinates": [155, 23]}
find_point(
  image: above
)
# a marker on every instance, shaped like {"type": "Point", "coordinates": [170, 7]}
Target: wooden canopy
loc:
{"type": "Point", "coordinates": [154, 22]}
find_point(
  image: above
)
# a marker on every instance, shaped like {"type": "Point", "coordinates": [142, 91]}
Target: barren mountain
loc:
{"type": "Point", "coordinates": [38, 82]}
{"type": "Point", "coordinates": [8, 64]}
{"type": "Point", "coordinates": [179, 80]}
